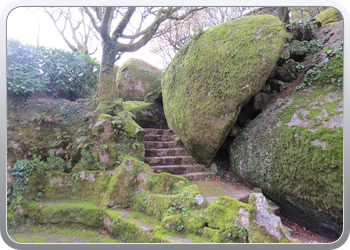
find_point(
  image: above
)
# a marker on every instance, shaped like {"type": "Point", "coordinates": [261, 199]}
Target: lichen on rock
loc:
{"type": "Point", "coordinates": [264, 226]}
{"type": "Point", "coordinates": [293, 152]}
{"type": "Point", "coordinates": [136, 78]}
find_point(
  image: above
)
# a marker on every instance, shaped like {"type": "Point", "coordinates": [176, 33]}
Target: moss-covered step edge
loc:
{"type": "Point", "coordinates": [196, 226]}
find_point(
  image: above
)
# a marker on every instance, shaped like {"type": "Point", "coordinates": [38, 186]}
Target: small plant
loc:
{"type": "Point", "coordinates": [243, 232]}
{"type": "Point", "coordinates": [299, 67]}
{"type": "Point", "coordinates": [200, 230]}
{"type": "Point", "coordinates": [115, 220]}
{"type": "Point", "coordinates": [144, 203]}
{"type": "Point", "coordinates": [194, 202]}
{"type": "Point", "coordinates": [279, 102]}
{"type": "Point", "coordinates": [180, 227]}
{"type": "Point", "coordinates": [176, 190]}
{"type": "Point", "coordinates": [202, 215]}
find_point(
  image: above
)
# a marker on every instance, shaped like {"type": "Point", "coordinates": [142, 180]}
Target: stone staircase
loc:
{"type": "Point", "coordinates": [164, 153]}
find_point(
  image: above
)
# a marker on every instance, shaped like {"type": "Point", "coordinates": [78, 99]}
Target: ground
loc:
{"type": "Point", "coordinates": [57, 233]}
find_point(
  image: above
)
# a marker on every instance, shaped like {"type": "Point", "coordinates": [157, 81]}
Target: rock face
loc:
{"type": "Point", "coordinates": [293, 151]}
{"type": "Point", "coordinates": [214, 75]}
{"type": "Point", "coordinates": [264, 225]}
{"type": "Point", "coordinates": [136, 78]}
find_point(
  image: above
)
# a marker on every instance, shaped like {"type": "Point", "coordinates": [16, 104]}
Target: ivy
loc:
{"type": "Point", "coordinates": [20, 172]}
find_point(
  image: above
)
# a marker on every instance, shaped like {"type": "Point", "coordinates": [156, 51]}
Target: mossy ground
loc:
{"type": "Point", "coordinates": [52, 233]}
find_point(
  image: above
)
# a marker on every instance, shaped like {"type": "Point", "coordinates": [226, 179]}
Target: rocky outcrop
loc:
{"type": "Point", "coordinates": [264, 225]}
{"type": "Point", "coordinates": [214, 75]}
{"type": "Point", "coordinates": [293, 151]}
{"type": "Point", "coordinates": [136, 78]}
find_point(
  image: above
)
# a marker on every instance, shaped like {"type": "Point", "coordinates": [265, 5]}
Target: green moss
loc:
{"type": "Point", "coordinates": [163, 182]}
{"type": "Point", "coordinates": [104, 116]}
{"type": "Point", "coordinates": [131, 128]}
{"type": "Point", "coordinates": [148, 220]}
{"type": "Point", "coordinates": [222, 208]}
{"type": "Point", "coordinates": [328, 17]}
{"type": "Point", "coordinates": [73, 213]}
{"type": "Point", "coordinates": [66, 235]}
{"type": "Point", "coordinates": [214, 73]}
{"type": "Point", "coordinates": [142, 111]}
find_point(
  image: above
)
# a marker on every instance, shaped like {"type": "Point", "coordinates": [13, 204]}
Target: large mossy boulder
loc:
{"type": "Point", "coordinates": [293, 151]}
{"type": "Point", "coordinates": [136, 78]}
{"type": "Point", "coordinates": [214, 75]}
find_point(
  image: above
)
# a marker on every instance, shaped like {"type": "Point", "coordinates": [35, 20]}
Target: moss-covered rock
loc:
{"type": "Point", "coordinates": [131, 128]}
{"type": "Point", "coordinates": [143, 112]}
{"type": "Point", "coordinates": [129, 177]}
{"type": "Point", "coordinates": [136, 78]}
{"type": "Point", "coordinates": [226, 213]}
{"type": "Point", "coordinates": [180, 199]}
{"type": "Point", "coordinates": [214, 75]}
{"type": "Point", "coordinates": [296, 49]}
{"type": "Point", "coordinates": [264, 226]}
{"type": "Point", "coordinates": [293, 151]}
{"type": "Point", "coordinates": [328, 17]}
{"type": "Point", "coordinates": [287, 72]}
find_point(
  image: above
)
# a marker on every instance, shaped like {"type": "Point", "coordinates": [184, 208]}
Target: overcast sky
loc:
{"type": "Point", "coordinates": [27, 32]}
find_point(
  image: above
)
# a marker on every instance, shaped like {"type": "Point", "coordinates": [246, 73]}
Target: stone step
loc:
{"type": "Point", "coordinates": [196, 176]}
{"type": "Point", "coordinates": [178, 169]}
{"type": "Point", "coordinates": [169, 160]}
{"type": "Point", "coordinates": [160, 137]}
{"type": "Point", "coordinates": [160, 144]}
{"type": "Point", "coordinates": [153, 131]}
{"type": "Point", "coordinates": [165, 152]}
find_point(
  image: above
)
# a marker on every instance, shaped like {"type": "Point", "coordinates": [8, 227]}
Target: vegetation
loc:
{"type": "Point", "coordinates": [81, 164]}
{"type": "Point", "coordinates": [53, 72]}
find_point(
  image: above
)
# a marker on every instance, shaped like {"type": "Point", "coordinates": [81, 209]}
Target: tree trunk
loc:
{"type": "Point", "coordinates": [107, 91]}
{"type": "Point", "coordinates": [109, 53]}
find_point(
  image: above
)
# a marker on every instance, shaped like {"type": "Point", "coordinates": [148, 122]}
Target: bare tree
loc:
{"type": "Point", "coordinates": [83, 35]}
{"type": "Point", "coordinates": [305, 13]}
{"type": "Point", "coordinates": [172, 35]}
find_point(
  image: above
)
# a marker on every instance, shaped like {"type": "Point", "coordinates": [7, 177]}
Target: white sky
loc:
{"type": "Point", "coordinates": [27, 32]}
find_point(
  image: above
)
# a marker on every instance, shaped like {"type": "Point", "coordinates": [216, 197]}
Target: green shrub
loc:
{"type": "Point", "coordinates": [55, 72]}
